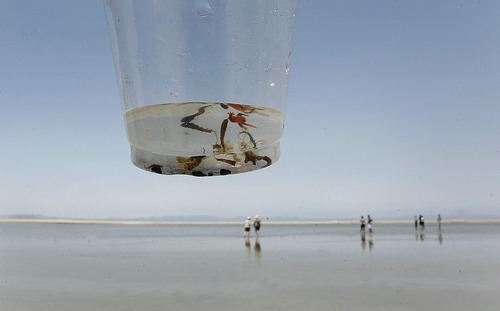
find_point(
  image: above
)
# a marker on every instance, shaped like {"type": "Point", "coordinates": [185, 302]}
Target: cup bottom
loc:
{"type": "Point", "coordinates": [205, 165]}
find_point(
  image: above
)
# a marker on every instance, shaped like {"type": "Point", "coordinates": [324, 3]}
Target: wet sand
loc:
{"type": "Point", "coordinates": [290, 267]}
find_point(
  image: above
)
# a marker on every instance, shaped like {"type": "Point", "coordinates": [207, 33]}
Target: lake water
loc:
{"type": "Point", "coordinates": [212, 267]}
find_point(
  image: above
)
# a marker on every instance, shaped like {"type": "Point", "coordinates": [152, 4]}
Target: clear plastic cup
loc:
{"type": "Point", "coordinates": [203, 83]}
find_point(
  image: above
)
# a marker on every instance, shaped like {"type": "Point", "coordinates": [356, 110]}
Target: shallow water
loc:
{"type": "Point", "coordinates": [303, 267]}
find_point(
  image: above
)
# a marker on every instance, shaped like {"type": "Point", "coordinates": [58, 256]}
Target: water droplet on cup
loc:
{"type": "Point", "coordinates": [202, 8]}
{"type": "Point", "coordinates": [268, 67]}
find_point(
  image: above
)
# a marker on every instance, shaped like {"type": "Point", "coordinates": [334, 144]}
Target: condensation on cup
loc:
{"type": "Point", "coordinates": [203, 83]}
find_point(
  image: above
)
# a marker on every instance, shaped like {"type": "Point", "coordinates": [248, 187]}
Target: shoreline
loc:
{"type": "Point", "coordinates": [214, 223]}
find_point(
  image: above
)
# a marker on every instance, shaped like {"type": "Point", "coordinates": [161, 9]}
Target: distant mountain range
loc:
{"type": "Point", "coordinates": [196, 218]}
{"type": "Point", "coordinates": [208, 218]}
{"type": "Point", "coordinates": [26, 216]}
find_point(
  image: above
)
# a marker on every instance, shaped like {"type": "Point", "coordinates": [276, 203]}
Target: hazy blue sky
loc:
{"type": "Point", "coordinates": [393, 110]}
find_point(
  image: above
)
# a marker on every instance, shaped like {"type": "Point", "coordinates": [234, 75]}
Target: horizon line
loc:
{"type": "Point", "coordinates": [285, 222]}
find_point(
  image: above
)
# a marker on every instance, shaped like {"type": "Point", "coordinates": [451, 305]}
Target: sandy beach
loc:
{"type": "Point", "coordinates": [60, 266]}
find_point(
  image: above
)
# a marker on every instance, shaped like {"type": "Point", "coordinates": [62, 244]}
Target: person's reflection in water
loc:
{"type": "Point", "coordinates": [422, 234]}
{"type": "Point", "coordinates": [256, 248]}
{"type": "Point", "coordinates": [248, 247]}
{"type": "Point", "coordinates": [440, 235]}
{"type": "Point", "coordinates": [370, 241]}
{"type": "Point", "coordinates": [363, 240]}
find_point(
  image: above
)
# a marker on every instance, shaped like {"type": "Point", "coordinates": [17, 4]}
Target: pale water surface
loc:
{"type": "Point", "coordinates": [304, 267]}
